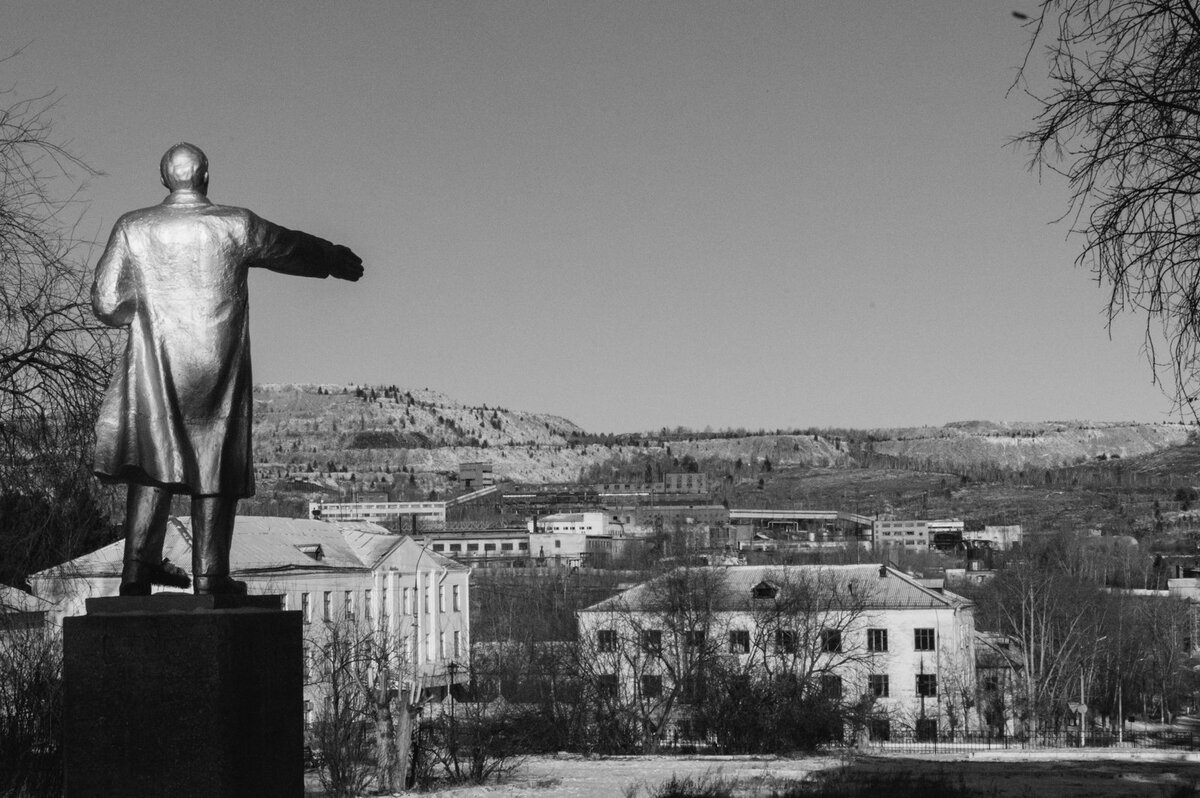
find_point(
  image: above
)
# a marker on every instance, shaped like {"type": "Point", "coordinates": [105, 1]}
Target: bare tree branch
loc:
{"type": "Point", "coordinates": [1120, 120]}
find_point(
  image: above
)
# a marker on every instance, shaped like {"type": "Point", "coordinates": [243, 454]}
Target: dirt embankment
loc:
{"type": "Point", "coordinates": [1024, 445]}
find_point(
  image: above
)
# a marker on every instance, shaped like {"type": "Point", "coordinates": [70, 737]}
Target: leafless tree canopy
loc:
{"type": "Point", "coordinates": [55, 357]}
{"type": "Point", "coordinates": [53, 352]}
{"type": "Point", "coordinates": [1119, 120]}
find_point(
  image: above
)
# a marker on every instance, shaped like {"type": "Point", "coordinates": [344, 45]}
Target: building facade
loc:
{"type": "Point", "coordinates": [352, 574]}
{"type": "Point", "coordinates": [866, 631]}
{"type": "Point", "coordinates": [389, 514]}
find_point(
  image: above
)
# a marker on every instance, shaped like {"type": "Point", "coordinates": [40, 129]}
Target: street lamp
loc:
{"type": "Point", "coordinates": [452, 669]}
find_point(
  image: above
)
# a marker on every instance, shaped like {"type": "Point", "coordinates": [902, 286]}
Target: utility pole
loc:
{"type": "Point", "coordinates": [1082, 709]}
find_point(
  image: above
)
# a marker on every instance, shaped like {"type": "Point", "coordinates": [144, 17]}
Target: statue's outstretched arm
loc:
{"type": "Point", "coordinates": [293, 252]}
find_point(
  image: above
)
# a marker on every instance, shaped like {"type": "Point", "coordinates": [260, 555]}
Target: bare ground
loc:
{"type": "Point", "coordinates": [1001, 774]}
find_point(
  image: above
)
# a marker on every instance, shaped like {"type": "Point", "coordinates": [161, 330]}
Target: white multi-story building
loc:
{"type": "Point", "coordinates": [909, 534]}
{"type": "Point", "coordinates": [862, 630]}
{"type": "Point", "coordinates": [350, 572]}
{"type": "Point", "coordinates": [423, 513]}
{"type": "Point", "coordinates": [1003, 538]}
{"type": "Point", "coordinates": [588, 523]}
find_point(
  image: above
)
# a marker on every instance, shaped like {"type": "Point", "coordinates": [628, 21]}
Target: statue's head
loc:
{"type": "Point", "coordinates": [185, 167]}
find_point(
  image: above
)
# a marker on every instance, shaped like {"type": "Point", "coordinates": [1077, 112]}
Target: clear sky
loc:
{"type": "Point", "coordinates": [630, 213]}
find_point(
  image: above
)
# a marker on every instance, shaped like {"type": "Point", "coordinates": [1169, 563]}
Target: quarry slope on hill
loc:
{"type": "Point", "coordinates": [333, 439]}
{"type": "Point", "coordinates": [1022, 445]}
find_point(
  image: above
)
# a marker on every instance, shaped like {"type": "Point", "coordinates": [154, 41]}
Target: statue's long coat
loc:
{"type": "Point", "coordinates": [178, 412]}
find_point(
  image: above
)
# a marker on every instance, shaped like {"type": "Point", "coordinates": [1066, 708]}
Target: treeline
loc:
{"type": "Point", "coordinates": [1104, 472]}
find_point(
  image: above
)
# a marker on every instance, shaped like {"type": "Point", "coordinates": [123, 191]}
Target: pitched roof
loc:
{"type": "Point", "coordinates": [15, 600]}
{"type": "Point", "coordinates": [869, 586]}
{"type": "Point", "coordinates": [263, 543]}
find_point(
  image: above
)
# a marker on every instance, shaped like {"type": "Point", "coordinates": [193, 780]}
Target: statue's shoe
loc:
{"type": "Point", "coordinates": [169, 574]}
{"type": "Point", "coordinates": [144, 575]}
{"type": "Point", "coordinates": [219, 586]}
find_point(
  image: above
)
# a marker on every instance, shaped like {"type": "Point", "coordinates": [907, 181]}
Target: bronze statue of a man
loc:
{"type": "Point", "coordinates": [177, 416]}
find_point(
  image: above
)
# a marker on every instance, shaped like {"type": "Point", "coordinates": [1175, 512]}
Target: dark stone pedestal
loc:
{"type": "Point", "coordinates": [179, 696]}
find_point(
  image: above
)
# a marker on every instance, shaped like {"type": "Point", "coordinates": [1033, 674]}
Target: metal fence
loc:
{"type": "Point", "coordinates": [909, 743]}
{"type": "Point", "coordinates": [1179, 739]}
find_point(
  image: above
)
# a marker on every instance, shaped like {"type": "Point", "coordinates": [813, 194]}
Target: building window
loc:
{"type": "Point", "coordinates": [831, 640]}
{"type": "Point", "coordinates": [523, 546]}
{"type": "Point", "coordinates": [489, 546]}
{"type": "Point", "coordinates": [558, 544]}
{"type": "Point", "coordinates": [385, 608]}
{"type": "Point", "coordinates": [739, 641]}
{"type": "Point", "coordinates": [306, 658]}
{"type": "Point", "coordinates": [785, 641]}
{"type": "Point", "coordinates": [349, 608]}
{"type": "Point", "coordinates": [923, 639]}
{"type": "Point", "coordinates": [455, 547]}
{"type": "Point", "coordinates": [831, 685]}
{"type": "Point", "coordinates": [926, 730]}
{"type": "Point", "coordinates": [425, 599]}
{"type": "Point", "coordinates": [877, 640]}
{"type": "Point", "coordinates": [694, 639]}
{"type": "Point", "coordinates": [606, 685]}
{"type": "Point", "coordinates": [455, 598]}
{"type": "Point", "coordinates": [879, 730]}
{"type": "Point", "coordinates": [472, 547]}
{"type": "Point", "coordinates": [441, 645]}
{"type": "Point", "coordinates": [406, 597]}
{"type": "Point", "coordinates": [306, 607]}
{"type": "Point", "coordinates": [438, 547]}
{"type": "Point", "coordinates": [367, 609]}
{"type": "Point", "coordinates": [764, 590]}
{"type": "Point", "coordinates": [877, 685]}
{"type": "Point", "coordinates": [327, 606]}
{"type": "Point", "coordinates": [606, 640]}
{"type": "Point", "coordinates": [428, 647]}
{"type": "Point", "coordinates": [441, 598]}
{"type": "Point", "coordinates": [652, 641]}
{"type": "Point", "coordinates": [651, 685]}
{"type": "Point", "coordinates": [694, 688]}
{"type": "Point", "coordinates": [457, 644]}
{"type": "Point", "coordinates": [506, 547]}
{"type": "Point", "coordinates": [927, 685]}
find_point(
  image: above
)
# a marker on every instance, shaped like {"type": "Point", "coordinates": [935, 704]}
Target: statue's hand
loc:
{"type": "Point", "coordinates": [344, 264]}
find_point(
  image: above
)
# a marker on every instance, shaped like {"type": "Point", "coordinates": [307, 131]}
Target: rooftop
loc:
{"type": "Point", "coordinates": [863, 586]}
{"type": "Point", "coordinates": [264, 543]}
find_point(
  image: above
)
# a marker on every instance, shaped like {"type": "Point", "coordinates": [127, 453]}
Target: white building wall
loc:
{"type": "Point", "coordinates": [950, 659]}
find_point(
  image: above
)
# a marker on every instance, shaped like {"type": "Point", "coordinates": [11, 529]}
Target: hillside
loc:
{"type": "Point", "coordinates": [335, 441]}
{"type": "Point", "coordinates": [1020, 446]}
{"type": "Point", "coordinates": [320, 435]}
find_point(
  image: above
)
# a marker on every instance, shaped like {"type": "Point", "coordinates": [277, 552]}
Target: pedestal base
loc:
{"type": "Point", "coordinates": [183, 696]}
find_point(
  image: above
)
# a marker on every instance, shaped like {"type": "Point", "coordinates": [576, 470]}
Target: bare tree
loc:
{"type": "Point", "coordinates": [759, 671]}
{"type": "Point", "coordinates": [55, 357]}
{"type": "Point", "coordinates": [797, 637]}
{"type": "Point", "coordinates": [1055, 620]}
{"type": "Point", "coordinates": [366, 688]}
{"type": "Point", "coordinates": [30, 708]}
{"type": "Point", "coordinates": [1120, 119]}
{"type": "Point", "coordinates": [645, 656]}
